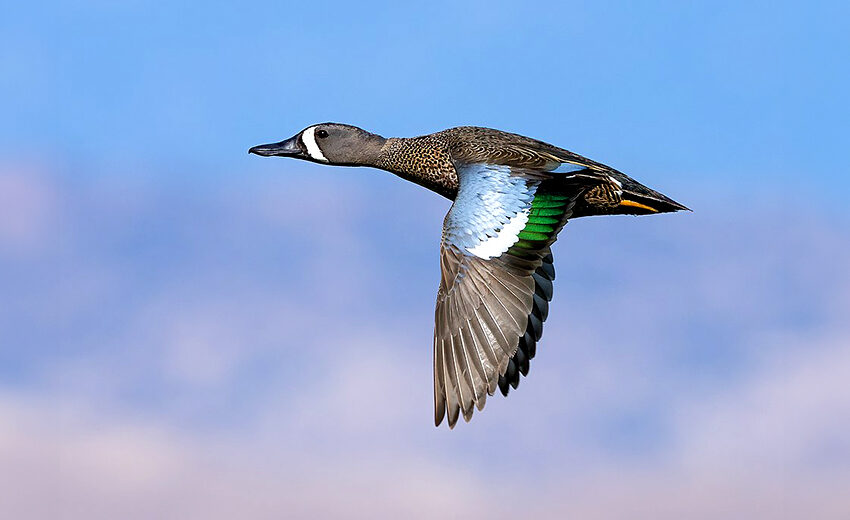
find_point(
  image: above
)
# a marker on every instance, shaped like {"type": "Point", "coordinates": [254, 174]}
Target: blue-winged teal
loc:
{"type": "Point", "coordinates": [512, 195]}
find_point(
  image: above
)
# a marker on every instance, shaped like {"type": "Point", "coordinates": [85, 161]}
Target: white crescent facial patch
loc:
{"type": "Point", "coordinates": [313, 150]}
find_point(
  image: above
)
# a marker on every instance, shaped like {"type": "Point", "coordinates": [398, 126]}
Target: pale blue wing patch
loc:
{"type": "Point", "coordinates": [490, 210]}
{"type": "Point", "coordinates": [568, 167]}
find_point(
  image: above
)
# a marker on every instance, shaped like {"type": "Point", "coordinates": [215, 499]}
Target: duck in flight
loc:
{"type": "Point", "coordinates": [511, 196]}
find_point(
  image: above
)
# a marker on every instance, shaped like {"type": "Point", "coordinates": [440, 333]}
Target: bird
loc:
{"type": "Point", "coordinates": [511, 196]}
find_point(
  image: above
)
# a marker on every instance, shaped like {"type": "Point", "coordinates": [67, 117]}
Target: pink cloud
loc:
{"type": "Point", "coordinates": [745, 453]}
{"type": "Point", "coordinates": [337, 421]}
{"type": "Point", "coordinates": [27, 209]}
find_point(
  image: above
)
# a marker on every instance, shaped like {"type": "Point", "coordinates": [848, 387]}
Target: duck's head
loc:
{"type": "Point", "coordinates": [327, 143]}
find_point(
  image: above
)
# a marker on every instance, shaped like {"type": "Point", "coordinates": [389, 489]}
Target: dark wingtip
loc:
{"type": "Point", "coordinates": [503, 385]}
{"type": "Point", "coordinates": [675, 206]}
{"type": "Point", "coordinates": [638, 199]}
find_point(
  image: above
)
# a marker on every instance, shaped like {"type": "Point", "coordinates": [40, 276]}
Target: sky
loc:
{"type": "Point", "coordinates": [190, 331]}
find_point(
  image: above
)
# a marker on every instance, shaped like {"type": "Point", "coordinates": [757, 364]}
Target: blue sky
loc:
{"type": "Point", "coordinates": [716, 90]}
{"type": "Point", "coordinates": [186, 330]}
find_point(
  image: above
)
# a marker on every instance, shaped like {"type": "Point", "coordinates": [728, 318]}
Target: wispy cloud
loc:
{"type": "Point", "coordinates": [27, 209]}
{"type": "Point", "coordinates": [176, 351]}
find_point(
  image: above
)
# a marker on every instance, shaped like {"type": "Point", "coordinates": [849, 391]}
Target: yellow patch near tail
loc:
{"type": "Point", "coordinates": [637, 205]}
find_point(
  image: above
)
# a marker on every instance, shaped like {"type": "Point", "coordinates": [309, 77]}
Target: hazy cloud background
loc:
{"type": "Point", "coordinates": [186, 331]}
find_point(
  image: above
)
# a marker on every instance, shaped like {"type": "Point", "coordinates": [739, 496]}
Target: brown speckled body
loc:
{"type": "Point", "coordinates": [424, 160]}
{"type": "Point", "coordinates": [430, 160]}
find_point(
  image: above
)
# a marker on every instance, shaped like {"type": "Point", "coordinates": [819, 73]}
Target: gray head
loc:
{"type": "Point", "coordinates": [328, 143]}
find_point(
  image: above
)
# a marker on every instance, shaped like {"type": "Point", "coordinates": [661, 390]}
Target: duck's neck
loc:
{"type": "Point", "coordinates": [421, 160]}
{"type": "Point", "coordinates": [368, 151]}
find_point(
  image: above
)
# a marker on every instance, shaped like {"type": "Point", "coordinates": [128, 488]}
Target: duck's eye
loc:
{"type": "Point", "coordinates": [321, 134]}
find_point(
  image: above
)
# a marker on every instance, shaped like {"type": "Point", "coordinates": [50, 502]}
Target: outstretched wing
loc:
{"type": "Point", "coordinates": [496, 279]}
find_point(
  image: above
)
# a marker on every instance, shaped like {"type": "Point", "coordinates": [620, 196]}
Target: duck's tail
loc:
{"type": "Point", "coordinates": [633, 198]}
